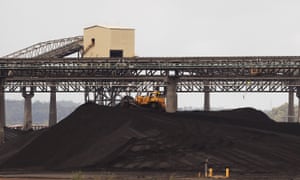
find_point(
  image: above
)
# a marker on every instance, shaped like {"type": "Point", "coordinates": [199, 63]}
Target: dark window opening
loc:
{"type": "Point", "coordinates": [116, 53]}
{"type": "Point", "coordinates": [93, 41]}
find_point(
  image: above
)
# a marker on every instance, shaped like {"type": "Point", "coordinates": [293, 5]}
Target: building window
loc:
{"type": "Point", "coordinates": [116, 53]}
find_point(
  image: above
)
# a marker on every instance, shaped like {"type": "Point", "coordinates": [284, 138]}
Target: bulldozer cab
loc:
{"type": "Point", "coordinates": [155, 94]}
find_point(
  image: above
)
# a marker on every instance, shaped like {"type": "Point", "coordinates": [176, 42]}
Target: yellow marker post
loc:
{"type": "Point", "coordinates": [210, 172]}
{"type": "Point", "coordinates": [227, 172]}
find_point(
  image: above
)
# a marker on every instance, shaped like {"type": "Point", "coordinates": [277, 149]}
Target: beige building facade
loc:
{"type": "Point", "coordinates": [107, 42]}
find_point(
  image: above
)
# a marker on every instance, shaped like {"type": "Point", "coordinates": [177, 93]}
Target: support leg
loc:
{"type": "Point", "coordinates": [27, 109]}
{"type": "Point", "coordinates": [52, 107]}
{"type": "Point", "coordinates": [298, 117]}
{"type": "Point", "coordinates": [206, 96]}
{"type": "Point", "coordinates": [112, 97]}
{"type": "Point", "coordinates": [171, 95]}
{"type": "Point", "coordinates": [86, 95]}
{"type": "Point", "coordinates": [2, 111]}
{"type": "Point", "coordinates": [291, 112]}
{"type": "Point", "coordinates": [298, 96]}
{"type": "Point", "coordinates": [100, 96]}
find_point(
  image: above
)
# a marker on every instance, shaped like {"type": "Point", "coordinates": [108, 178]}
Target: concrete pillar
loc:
{"type": "Point", "coordinates": [291, 112]}
{"type": "Point", "coordinates": [298, 96]}
{"type": "Point", "coordinates": [298, 116]}
{"type": "Point", "coordinates": [27, 109]}
{"type": "Point", "coordinates": [206, 96]}
{"type": "Point", "coordinates": [52, 107]}
{"type": "Point", "coordinates": [171, 106]}
{"type": "Point", "coordinates": [2, 111]}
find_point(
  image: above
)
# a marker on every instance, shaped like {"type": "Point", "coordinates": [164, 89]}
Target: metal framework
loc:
{"type": "Point", "coordinates": [51, 49]}
{"type": "Point", "coordinates": [219, 74]}
{"type": "Point", "coordinates": [41, 65]}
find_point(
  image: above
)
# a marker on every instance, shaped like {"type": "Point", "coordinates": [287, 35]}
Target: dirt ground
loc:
{"type": "Point", "coordinates": [136, 176]}
{"type": "Point", "coordinates": [104, 139]}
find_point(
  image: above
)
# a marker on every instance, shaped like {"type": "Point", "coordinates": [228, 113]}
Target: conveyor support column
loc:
{"type": "Point", "coordinates": [206, 96]}
{"type": "Point", "coordinates": [171, 95]}
{"type": "Point", "coordinates": [2, 111]}
{"type": "Point", "coordinates": [298, 96]}
{"type": "Point", "coordinates": [52, 107]}
{"type": "Point", "coordinates": [291, 112]}
{"type": "Point", "coordinates": [113, 97]}
{"type": "Point", "coordinates": [27, 108]}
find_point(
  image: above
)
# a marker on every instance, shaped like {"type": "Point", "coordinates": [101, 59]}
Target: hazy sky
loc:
{"type": "Point", "coordinates": [166, 28]}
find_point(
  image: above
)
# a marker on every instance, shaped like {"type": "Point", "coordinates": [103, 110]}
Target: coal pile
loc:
{"type": "Point", "coordinates": [95, 137]}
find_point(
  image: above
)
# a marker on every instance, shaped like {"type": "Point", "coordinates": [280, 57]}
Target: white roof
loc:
{"type": "Point", "coordinates": [109, 27]}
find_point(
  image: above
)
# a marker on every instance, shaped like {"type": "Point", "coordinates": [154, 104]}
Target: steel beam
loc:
{"type": "Point", "coordinates": [137, 85]}
{"type": "Point", "coordinates": [2, 110]}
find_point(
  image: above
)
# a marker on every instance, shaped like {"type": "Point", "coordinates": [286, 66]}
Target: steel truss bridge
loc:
{"type": "Point", "coordinates": [193, 74]}
{"type": "Point", "coordinates": [42, 66]}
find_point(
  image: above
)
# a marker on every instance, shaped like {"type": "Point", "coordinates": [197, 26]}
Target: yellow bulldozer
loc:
{"type": "Point", "coordinates": [153, 100]}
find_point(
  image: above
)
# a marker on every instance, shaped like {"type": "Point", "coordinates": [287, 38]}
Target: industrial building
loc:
{"type": "Point", "coordinates": [107, 42]}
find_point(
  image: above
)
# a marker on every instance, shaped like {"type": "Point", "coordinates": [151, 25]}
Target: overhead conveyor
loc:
{"type": "Point", "coordinates": [58, 48]}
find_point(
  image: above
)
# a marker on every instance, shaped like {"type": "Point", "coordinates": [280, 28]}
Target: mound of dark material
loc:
{"type": "Point", "coordinates": [97, 137]}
